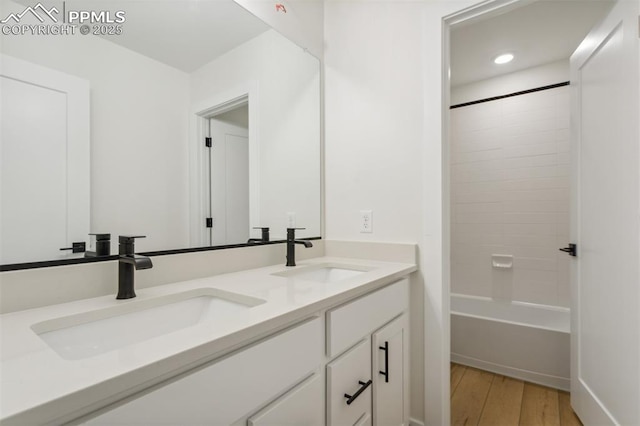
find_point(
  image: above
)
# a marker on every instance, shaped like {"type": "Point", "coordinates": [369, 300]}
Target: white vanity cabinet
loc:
{"type": "Point", "coordinates": [227, 390]}
{"type": "Point", "coordinates": [374, 330]}
{"type": "Point", "coordinates": [359, 378]}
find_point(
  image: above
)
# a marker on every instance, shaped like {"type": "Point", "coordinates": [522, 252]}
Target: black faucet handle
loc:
{"type": "Point", "coordinates": [291, 233]}
{"type": "Point", "coordinates": [129, 239]}
{"type": "Point", "coordinates": [102, 237]}
{"type": "Point", "coordinates": [265, 233]}
{"type": "Point", "coordinates": [77, 247]}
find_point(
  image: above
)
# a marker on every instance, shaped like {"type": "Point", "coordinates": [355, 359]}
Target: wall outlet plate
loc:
{"type": "Point", "coordinates": [291, 219]}
{"type": "Point", "coordinates": [366, 221]}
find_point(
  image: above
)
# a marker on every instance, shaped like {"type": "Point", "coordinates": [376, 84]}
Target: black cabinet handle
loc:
{"type": "Point", "coordinates": [385, 373]}
{"type": "Point", "coordinates": [363, 386]}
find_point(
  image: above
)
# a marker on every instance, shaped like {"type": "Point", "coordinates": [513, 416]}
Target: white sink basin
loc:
{"type": "Point", "coordinates": [96, 332]}
{"type": "Point", "coordinates": [329, 273]}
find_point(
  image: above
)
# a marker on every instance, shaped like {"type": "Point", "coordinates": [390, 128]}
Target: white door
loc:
{"type": "Point", "coordinates": [44, 159]}
{"type": "Point", "coordinates": [229, 183]}
{"type": "Point", "coordinates": [605, 364]}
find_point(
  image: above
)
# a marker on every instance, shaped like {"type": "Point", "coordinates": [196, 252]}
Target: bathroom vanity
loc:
{"type": "Point", "coordinates": [325, 342]}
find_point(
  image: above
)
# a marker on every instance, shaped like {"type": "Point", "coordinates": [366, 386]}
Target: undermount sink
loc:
{"type": "Point", "coordinates": [91, 333]}
{"type": "Point", "coordinates": [328, 273]}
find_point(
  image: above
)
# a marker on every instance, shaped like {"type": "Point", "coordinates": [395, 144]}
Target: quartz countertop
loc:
{"type": "Point", "coordinates": [39, 386]}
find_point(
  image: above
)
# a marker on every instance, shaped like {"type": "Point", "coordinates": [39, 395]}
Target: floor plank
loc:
{"type": "Point", "coordinates": [457, 371]}
{"type": "Point", "coordinates": [567, 416]}
{"type": "Point", "coordinates": [503, 402]}
{"type": "Point", "coordinates": [469, 397]}
{"type": "Point", "coordinates": [539, 406]}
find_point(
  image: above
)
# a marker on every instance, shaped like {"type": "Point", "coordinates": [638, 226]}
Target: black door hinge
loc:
{"type": "Point", "coordinates": [209, 222]}
{"type": "Point", "coordinates": [207, 142]}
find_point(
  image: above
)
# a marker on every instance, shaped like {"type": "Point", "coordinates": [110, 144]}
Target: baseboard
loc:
{"type": "Point", "coordinates": [555, 382]}
{"type": "Point", "coordinates": [414, 422]}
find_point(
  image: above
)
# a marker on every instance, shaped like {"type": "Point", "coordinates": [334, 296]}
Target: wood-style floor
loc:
{"type": "Point", "coordinates": [482, 398]}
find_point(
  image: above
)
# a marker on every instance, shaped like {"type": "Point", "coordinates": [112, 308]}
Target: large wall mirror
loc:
{"type": "Point", "coordinates": [190, 122]}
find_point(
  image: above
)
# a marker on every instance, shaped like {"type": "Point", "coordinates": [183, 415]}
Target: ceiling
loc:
{"type": "Point", "coordinates": [185, 34]}
{"type": "Point", "coordinates": [538, 33]}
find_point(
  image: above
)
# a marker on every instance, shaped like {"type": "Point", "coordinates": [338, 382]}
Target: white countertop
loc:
{"type": "Point", "coordinates": [38, 386]}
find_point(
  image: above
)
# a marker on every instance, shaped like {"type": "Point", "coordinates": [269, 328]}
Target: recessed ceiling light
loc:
{"type": "Point", "coordinates": [503, 59]}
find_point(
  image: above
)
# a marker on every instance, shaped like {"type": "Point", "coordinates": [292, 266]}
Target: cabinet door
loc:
{"type": "Point", "coordinates": [301, 406]}
{"type": "Point", "coordinates": [349, 374]}
{"type": "Point", "coordinates": [390, 373]}
{"type": "Point", "coordinates": [365, 420]}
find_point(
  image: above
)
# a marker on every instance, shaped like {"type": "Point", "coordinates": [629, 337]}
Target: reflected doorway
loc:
{"type": "Point", "coordinates": [228, 178]}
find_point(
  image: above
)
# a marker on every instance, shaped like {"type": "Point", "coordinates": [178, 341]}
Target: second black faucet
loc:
{"type": "Point", "coordinates": [128, 262]}
{"type": "Point", "coordinates": [291, 245]}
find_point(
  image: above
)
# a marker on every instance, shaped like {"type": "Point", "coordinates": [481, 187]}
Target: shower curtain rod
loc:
{"type": "Point", "coordinates": [524, 92]}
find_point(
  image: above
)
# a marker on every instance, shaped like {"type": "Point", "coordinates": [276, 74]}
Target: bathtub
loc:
{"type": "Point", "coordinates": [521, 340]}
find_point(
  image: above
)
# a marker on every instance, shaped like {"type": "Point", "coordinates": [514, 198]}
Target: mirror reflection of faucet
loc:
{"type": "Point", "coordinates": [76, 247]}
{"type": "Point", "coordinates": [128, 262]}
{"type": "Point", "coordinates": [103, 246]}
{"type": "Point", "coordinates": [264, 237]}
{"type": "Point", "coordinates": [291, 245]}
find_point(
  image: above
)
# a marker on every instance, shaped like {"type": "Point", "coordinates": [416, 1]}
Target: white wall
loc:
{"type": "Point", "coordinates": [139, 175]}
{"type": "Point", "coordinates": [287, 121]}
{"type": "Point", "coordinates": [383, 80]}
{"type": "Point", "coordinates": [510, 195]}
{"type": "Point", "coordinates": [543, 75]}
{"type": "Point", "coordinates": [373, 111]}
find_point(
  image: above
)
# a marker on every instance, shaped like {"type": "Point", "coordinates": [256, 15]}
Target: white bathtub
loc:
{"type": "Point", "coordinates": [521, 340]}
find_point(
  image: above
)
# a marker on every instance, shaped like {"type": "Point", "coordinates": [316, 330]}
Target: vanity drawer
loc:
{"type": "Point", "coordinates": [351, 322]}
{"type": "Point", "coordinates": [350, 374]}
{"type": "Point", "coordinates": [226, 390]}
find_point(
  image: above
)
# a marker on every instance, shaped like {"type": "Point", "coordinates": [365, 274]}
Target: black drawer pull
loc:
{"type": "Point", "coordinates": [363, 386]}
{"type": "Point", "coordinates": [385, 373]}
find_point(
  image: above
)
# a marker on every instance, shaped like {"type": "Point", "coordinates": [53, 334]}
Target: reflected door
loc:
{"type": "Point", "coordinates": [229, 183]}
{"type": "Point", "coordinates": [44, 118]}
{"type": "Point", "coordinates": [605, 315]}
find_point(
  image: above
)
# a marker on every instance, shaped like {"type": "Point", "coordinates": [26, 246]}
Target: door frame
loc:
{"type": "Point", "coordinates": [198, 158]}
{"type": "Point", "coordinates": [475, 12]}
{"type": "Point", "coordinates": [486, 9]}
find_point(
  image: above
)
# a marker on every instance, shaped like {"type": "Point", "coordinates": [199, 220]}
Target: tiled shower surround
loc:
{"type": "Point", "coordinates": [510, 195]}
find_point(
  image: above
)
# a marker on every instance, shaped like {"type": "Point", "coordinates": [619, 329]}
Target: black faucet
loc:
{"type": "Point", "coordinates": [127, 263]}
{"type": "Point", "coordinates": [263, 239]}
{"type": "Point", "coordinates": [291, 245]}
{"type": "Point", "coordinates": [103, 246]}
